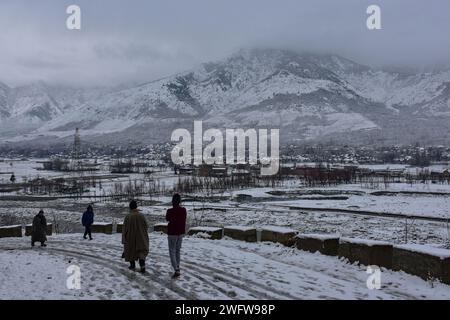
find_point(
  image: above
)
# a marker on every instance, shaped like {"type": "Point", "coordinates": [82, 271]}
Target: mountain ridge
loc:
{"type": "Point", "coordinates": [310, 97]}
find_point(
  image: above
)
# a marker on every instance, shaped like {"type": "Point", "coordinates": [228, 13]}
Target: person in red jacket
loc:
{"type": "Point", "coordinates": [176, 216]}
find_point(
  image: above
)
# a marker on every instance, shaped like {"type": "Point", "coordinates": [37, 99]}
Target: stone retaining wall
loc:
{"type": "Point", "coordinates": [366, 252]}
{"type": "Point", "coordinates": [328, 245]}
{"type": "Point", "coordinates": [241, 233]}
{"type": "Point", "coordinates": [426, 265]}
{"type": "Point", "coordinates": [284, 236]}
{"type": "Point", "coordinates": [29, 228]}
{"type": "Point", "coordinates": [160, 227]}
{"type": "Point", "coordinates": [106, 228]}
{"type": "Point", "coordinates": [10, 231]}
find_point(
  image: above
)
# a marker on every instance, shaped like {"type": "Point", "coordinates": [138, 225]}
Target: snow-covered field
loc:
{"type": "Point", "coordinates": [221, 269]}
{"type": "Point", "coordinates": [211, 269]}
{"type": "Point", "coordinates": [431, 206]}
{"type": "Point", "coordinates": [289, 205]}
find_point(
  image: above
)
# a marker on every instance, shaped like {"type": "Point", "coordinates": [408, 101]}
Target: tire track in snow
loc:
{"type": "Point", "coordinates": [107, 263]}
{"type": "Point", "coordinates": [146, 290]}
{"type": "Point", "coordinates": [100, 249]}
{"type": "Point", "coordinates": [342, 277]}
{"type": "Point", "coordinates": [257, 290]}
{"type": "Point", "coordinates": [243, 284]}
{"type": "Point", "coordinates": [255, 293]}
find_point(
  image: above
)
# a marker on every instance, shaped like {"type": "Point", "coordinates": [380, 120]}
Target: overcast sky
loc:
{"type": "Point", "coordinates": [141, 40]}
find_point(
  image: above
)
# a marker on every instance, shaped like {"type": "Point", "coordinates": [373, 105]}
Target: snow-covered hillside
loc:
{"type": "Point", "coordinates": [307, 96]}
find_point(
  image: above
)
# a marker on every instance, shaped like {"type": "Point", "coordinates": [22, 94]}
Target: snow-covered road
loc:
{"type": "Point", "coordinates": [212, 269]}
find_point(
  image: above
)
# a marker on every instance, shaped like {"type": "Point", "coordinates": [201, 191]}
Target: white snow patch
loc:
{"type": "Point", "coordinates": [278, 229]}
{"type": "Point", "coordinates": [317, 236]}
{"type": "Point", "coordinates": [366, 242]}
{"type": "Point", "coordinates": [9, 227]}
{"type": "Point", "coordinates": [240, 228]}
{"type": "Point", "coordinates": [206, 229]}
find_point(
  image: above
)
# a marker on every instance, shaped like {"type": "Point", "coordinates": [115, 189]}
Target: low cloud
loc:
{"type": "Point", "coordinates": [138, 41]}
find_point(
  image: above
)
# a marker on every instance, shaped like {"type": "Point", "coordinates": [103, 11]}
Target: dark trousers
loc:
{"type": "Point", "coordinates": [141, 263]}
{"type": "Point", "coordinates": [87, 231]}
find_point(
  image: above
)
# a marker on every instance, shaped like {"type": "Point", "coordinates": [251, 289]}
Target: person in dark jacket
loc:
{"type": "Point", "coordinates": [176, 228]}
{"type": "Point", "coordinates": [87, 220]}
{"type": "Point", "coordinates": [39, 229]}
{"type": "Point", "coordinates": [135, 238]}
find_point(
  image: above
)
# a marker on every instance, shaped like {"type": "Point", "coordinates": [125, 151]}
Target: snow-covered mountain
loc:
{"type": "Point", "coordinates": [3, 101]}
{"type": "Point", "coordinates": [307, 96]}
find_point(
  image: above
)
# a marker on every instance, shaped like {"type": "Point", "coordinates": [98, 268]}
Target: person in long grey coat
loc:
{"type": "Point", "coordinates": [39, 229]}
{"type": "Point", "coordinates": [135, 238]}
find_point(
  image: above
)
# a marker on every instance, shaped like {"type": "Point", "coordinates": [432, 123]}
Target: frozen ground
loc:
{"type": "Point", "coordinates": [431, 206]}
{"type": "Point", "coordinates": [344, 224]}
{"type": "Point", "coordinates": [266, 209]}
{"type": "Point", "coordinates": [212, 269]}
{"type": "Point", "coordinates": [427, 200]}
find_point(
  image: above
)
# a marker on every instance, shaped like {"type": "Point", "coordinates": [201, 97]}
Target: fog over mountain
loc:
{"type": "Point", "coordinates": [312, 68]}
{"type": "Point", "coordinates": [123, 43]}
{"type": "Point", "coordinates": [310, 97]}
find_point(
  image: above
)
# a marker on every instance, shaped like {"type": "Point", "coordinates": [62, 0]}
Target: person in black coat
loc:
{"type": "Point", "coordinates": [87, 220]}
{"type": "Point", "coordinates": [39, 229]}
